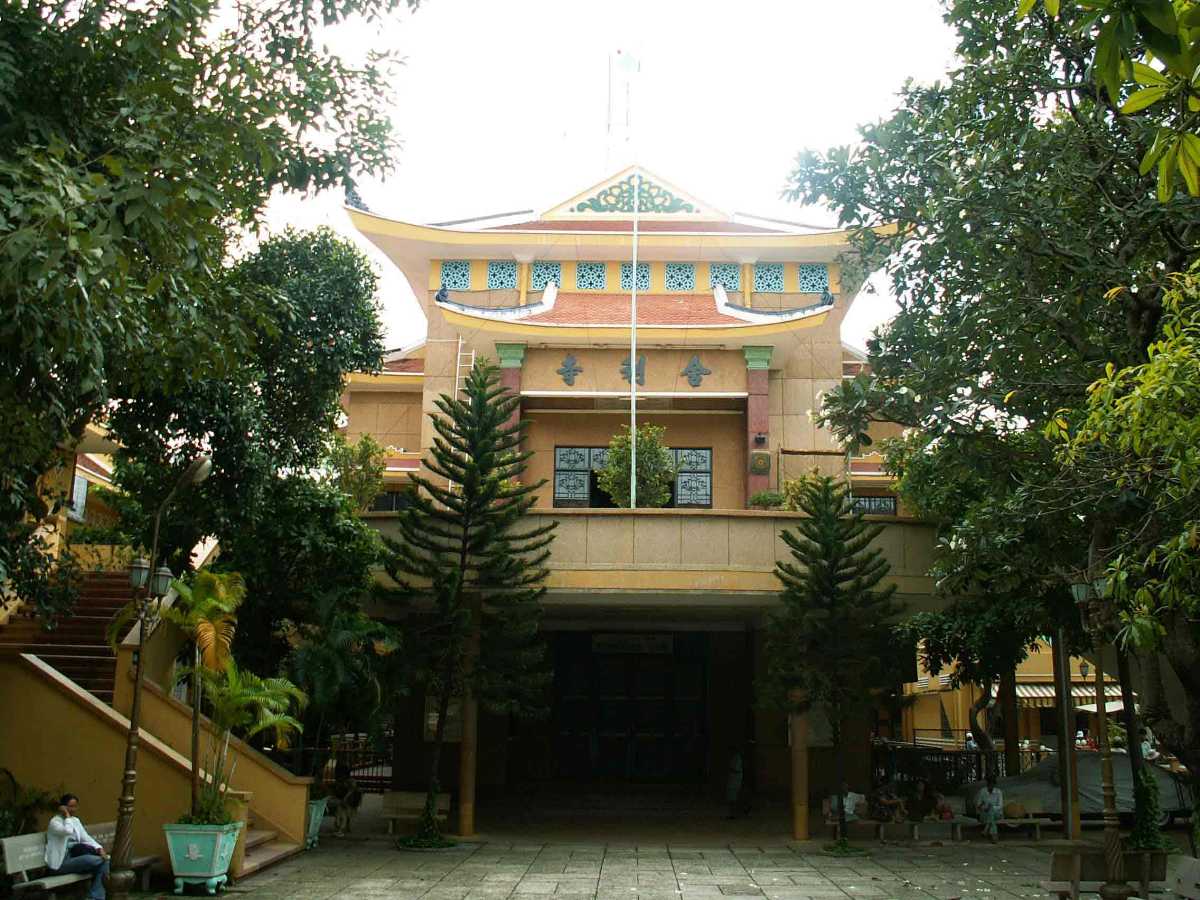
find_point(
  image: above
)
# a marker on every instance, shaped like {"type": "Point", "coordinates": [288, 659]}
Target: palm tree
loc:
{"type": "Point", "coordinates": [239, 700]}
{"type": "Point", "coordinates": [205, 612]}
{"type": "Point", "coordinates": [336, 659]}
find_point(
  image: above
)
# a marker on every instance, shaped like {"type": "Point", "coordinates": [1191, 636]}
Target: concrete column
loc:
{"type": "Point", "coordinates": [799, 748]}
{"type": "Point", "coordinates": [512, 358]}
{"type": "Point", "coordinates": [758, 419]}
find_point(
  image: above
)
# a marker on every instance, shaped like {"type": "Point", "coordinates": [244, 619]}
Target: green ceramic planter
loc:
{"type": "Point", "coordinates": [200, 854]}
{"type": "Point", "coordinates": [316, 812]}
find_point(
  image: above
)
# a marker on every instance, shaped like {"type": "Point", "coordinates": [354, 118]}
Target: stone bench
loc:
{"type": "Point", "coordinates": [409, 805]}
{"type": "Point", "coordinates": [26, 854]}
{"type": "Point", "coordinates": [912, 828]}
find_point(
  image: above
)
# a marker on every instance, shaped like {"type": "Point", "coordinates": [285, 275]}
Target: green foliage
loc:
{"type": "Point", "coordinates": [831, 645]}
{"type": "Point", "coordinates": [358, 469]}
{"type": "Point", "coordinates": [1146, 834]}
{"type": "Point", "coordinates": [341, 660]}
{"type": "Point", "coordinates": [656, 468]}
{"type": "Point", "coordinates": [470, 564]}
{"type": "Point", "coordinates": [1145, 63]}
{"type": "Point", "coordinates": [830, 642]}
{"type": "Point", "coordinates": [139, 141]}
{"type": "Point", "coordinates": [239, 701]}
{"type": "Point", "coordinates": [21, 804]}
{"type": "Point", "coordinates": [30, 569]}
{"type": "Point", "coordinates": [766, 500]}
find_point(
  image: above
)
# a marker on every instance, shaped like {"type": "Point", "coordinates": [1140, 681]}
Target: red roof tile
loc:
{"type": "Point", "coordinates": [413, 366]}
{"type": "Point", "coordinates": [677, 225]}
{"type": "Point", "coordinates": [653, 309]}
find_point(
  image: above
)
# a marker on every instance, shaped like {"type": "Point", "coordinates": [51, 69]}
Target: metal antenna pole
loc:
{"type": "Point", "coordinates": [633, 366]}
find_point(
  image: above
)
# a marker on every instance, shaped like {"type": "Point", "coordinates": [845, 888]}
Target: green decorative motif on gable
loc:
{"type": "Point", "coordinates": [618, 198]}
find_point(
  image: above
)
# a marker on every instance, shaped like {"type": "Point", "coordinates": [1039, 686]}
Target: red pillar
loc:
{"type": "Point", "coordinates": [512, 358]}
{"type": "Point", "coordinates": [511, 379]}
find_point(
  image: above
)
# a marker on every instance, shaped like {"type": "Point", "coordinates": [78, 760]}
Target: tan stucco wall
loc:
{"type": "Point", "coordinates": [725, 433]}
{"type": "Point", "coordinates": [393, 418]}
{"type": "Point", "coordinates": [664, 370]}
{"type": "Point", "coordinates": [70, 741]}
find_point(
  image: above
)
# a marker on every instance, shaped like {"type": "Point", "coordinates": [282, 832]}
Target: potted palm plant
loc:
{"type": "Point", "coordinates": [201, 843]}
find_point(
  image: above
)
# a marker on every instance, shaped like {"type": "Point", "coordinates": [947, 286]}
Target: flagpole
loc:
{"type": "Point", "coordinates": [633, 366]}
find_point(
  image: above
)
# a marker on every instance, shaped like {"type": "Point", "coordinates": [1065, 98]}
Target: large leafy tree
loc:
{"type": "Point", "coordinates": [1028, 247]}
{"type": "Point", "coordinates": [831, 645]}
{"type": "Point", "coordinates": [137, 141]}
{"type": "Point", "coordinates": [465, 548]}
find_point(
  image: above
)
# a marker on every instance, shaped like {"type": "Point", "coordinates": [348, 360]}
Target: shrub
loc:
{"type": "Point", "coordinates": [766, 500]}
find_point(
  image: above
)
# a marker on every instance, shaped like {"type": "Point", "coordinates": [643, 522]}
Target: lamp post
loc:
{"type": "Point", "coordinates": [1094, 620]}
{"type": "Point", "coordinates": [148, 591]}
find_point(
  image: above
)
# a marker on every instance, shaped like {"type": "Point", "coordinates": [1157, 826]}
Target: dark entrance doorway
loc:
{"type": "Point", "coordinates": [630, 707]}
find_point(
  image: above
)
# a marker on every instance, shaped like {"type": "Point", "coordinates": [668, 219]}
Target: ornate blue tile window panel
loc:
{"type": "Point", "coordinates": [681, 277]}
{"type": "Point", "coordinates": [599, 458]}
{"type": "Point", "coordinates": [456, 274]}
{"type": "Point", "coordinates": [727, 275]}
{"type": "Point", "coordinates": [693, 479]}
{"type": "Point", "coordinates": [572, 476]}
{"type": "Point", "coordinates": [502, 275]}
{"type": "Point", "coordinates": [643, 276]}
{"type": "Point", "coordinates": [590, 276]}
{"type": "Point", "coordinates": [814, 278]}
{"type": "Point", "coordinates": [543, 273]}
{"type": "Point", "coordinates": [768, 278]}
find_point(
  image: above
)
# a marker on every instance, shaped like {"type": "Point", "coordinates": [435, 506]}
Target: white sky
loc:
{"type": "Point", "coordinates": [502, 105]}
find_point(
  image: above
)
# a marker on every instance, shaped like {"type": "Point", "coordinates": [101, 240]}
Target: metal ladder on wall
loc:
{"type": "Point", "coordinates": [464, 363]}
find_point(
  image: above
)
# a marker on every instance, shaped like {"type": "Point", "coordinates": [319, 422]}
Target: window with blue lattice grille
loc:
{"type": "Point", "coordinates": [643, 276]}
{"type": "Point", "coordinates": [543, 273]}
{"type": "Point", "coordinates": [456, 274]}
{"type": "Point", "coordinates": [680, 277]}
{"type": "Point", "coordinates": [727, 275]}
{"type": "Point", "coordinates": [814, 278]}
{"type": "Point", "coordinates": [576, 483]}
{"type": "Point", "coordinates": [502, 275]}
{"type": "Point", "coordinates": [590, 276]}
{"type": "Point", "coordinates": [768, 278]}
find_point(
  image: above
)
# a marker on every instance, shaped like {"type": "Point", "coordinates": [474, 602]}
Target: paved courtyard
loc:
{"type": "Point", "coordinates": [370, 868]}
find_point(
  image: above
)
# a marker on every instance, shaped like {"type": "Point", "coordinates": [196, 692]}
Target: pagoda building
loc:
{"type": "Point", "coordinates": [653, 616]}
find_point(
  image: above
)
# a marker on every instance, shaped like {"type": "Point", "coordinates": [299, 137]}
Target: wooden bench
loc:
{"type": "Point", "coordinates": [406, 805]}
{"type": "Point", "coordinates": [1082, 871]}
{"type": "Point", "coordinates": [26, 853]}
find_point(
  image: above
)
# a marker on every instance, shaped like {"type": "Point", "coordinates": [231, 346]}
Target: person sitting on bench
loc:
{"type": "Point", "coordinates": [989, 807]}
{"type": "Point", "coordinates": [886, 805]}
{"type": "Point", "coordinates": [70, 850]}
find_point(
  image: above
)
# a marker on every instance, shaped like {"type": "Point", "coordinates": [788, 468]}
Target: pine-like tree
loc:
{"type": "Point", "coordinates": [831, 645]}
{"type": "Point", "coordinates": [472, 568]}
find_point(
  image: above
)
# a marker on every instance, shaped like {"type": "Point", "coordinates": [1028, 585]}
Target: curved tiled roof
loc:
{"type": "Point", "coordinates": [653, 309]}
{"type": "Point", "coordinates": [405, 366]}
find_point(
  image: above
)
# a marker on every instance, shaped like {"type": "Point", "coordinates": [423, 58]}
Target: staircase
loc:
{"type": "Point", "coordinates": [76, 646]}
{"type": "Point", "coordinates": [264, 848]}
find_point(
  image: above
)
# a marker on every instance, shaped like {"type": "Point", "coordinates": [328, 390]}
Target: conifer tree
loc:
{"type": "Point", "coordinates": [472, 569]}
{"type": "Point", "coordinates": [831, 645]}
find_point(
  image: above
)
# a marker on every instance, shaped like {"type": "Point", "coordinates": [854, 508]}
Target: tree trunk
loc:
{"type": "Point", "coordinates": [196, 683]}
{"type": "Point", "coordinates": [841, 771]}
{"type": "Point", "coordinates": [1133, 743]}
{"type": "Point", "coordinates": [1012, 725]}
{"type": "Point", "coordinates": [982, 731]}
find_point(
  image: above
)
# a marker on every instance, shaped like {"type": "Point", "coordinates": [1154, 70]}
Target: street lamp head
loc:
{"type": "Point", "coordinates": [139, 573]}
{"type": "Point", "coordinates": [1081, 590]}
{"type": "Point", "coordinates": [161, 582]}
{"type": "Point", "coordinates": [198, 469]}
{"type": "Point", "coordinates": [1084, 668]}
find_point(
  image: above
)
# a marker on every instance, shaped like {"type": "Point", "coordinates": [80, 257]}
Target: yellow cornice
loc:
{"type": "Point", "coordinates": [616, 333]}
{"type": "Point", "coordinates": [371, 224]}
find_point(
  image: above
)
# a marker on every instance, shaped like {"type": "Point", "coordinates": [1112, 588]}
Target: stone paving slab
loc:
{"type": "Point", "coordinates": [374, 870]}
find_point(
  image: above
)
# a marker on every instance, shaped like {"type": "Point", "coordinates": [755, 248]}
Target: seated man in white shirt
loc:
{"type": "Point", "coordinates": [71, 850]}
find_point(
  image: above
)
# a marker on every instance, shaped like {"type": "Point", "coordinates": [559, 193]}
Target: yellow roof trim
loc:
{"type": "Point", "coordinates": [369, 223]}
{"type": "Point", "coordinates": [616, 332]}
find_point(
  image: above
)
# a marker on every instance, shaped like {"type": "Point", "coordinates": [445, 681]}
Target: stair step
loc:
{"type": "Point", "coordinates": [268, 855]}
{"type": "Point", "coordinates": [257, 836]}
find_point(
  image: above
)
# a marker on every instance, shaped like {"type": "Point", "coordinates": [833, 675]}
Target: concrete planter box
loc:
{"type": "Point", "coordinates": [200, 854]}
{"type": "Point", "coordinates": [316, 812]}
